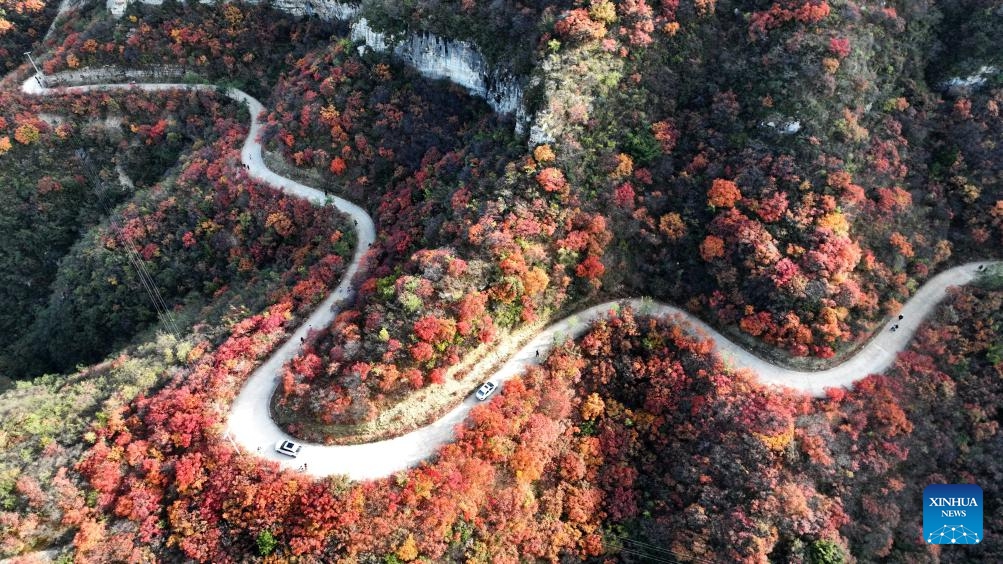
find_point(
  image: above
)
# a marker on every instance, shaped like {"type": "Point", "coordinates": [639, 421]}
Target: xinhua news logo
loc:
{"type": "Point", "coordinates": [952, 514]}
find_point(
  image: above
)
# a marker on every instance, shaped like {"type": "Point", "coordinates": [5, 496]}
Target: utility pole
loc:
{"type": "Point", "coordinates": [39, 74]}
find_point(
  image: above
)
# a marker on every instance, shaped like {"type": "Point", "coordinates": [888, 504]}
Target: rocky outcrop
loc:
{"type": "Point", "coordinates": [457, 61]}
{"type": "Point", "coordinates": [323, 9]}
{"type": "Point", "coordinates": [435, 57]}
{"type": "Point", "coordinates": [964, 85]}
{"type": "Point", "coordinates": [116, 7]}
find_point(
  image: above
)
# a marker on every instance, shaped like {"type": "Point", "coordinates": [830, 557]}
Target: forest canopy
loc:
{"type": "Point", "coordinates": [790, 171]}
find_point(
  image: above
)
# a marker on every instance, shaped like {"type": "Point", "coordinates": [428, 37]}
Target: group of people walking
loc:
{"type": "Point", "coordinates": [980, 268]}
{"type": "Point", "coordinates": [896, 326]}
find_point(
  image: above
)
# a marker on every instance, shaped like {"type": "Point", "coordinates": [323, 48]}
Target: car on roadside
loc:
{"type": "Point", "coordinates": [486, 389]}
{"type": "Point", "coordinates": [288, 448]}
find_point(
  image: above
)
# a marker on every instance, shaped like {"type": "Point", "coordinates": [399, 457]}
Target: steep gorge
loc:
{"type": "Point", "coordinates": [434, 57]}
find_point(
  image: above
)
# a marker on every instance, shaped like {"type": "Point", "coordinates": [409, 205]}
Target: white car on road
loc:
{"type": "Point", "coordinates": [486, 390]}
{"type": "Point", "coordinates": [288, 448]}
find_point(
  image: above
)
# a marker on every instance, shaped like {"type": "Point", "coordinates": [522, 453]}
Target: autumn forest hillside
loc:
{"type": "Point", "coordinates": [789, 171]}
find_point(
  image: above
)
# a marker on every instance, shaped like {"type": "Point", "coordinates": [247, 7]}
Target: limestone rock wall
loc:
{"type": "Point", "coordinates": [323, 9]}
{"type": "Point", "coordinates": [435, 57]}
{"type": "Point", "coordinates": [457, 61]}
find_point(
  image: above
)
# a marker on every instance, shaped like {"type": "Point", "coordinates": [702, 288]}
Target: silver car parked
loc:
{"type": "Point", "coordinates": [288, 448]}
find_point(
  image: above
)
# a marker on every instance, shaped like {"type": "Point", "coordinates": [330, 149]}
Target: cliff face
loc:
{"type": "Point", "coordinates": [323, 9]}
{"type": "Point", "coordinates": [457, 61]}
{"type": "Point", "coordinates": [435, 57]}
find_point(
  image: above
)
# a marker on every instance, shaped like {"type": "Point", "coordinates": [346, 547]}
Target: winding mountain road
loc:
{"type": "Point", "coordinates": [250, 425]}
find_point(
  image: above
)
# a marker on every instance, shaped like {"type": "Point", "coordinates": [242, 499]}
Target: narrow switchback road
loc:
{"type": "Point", "coordinates": [251, 426]}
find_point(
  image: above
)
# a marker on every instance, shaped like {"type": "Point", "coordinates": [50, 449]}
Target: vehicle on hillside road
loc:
{"type": "Point", "coordinates": [486, 389]}
{"type": "Point", "coordinates": [288, 448]}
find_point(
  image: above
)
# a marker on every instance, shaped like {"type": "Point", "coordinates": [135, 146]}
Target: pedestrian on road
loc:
{"type": "Point", "coordinates": [537, 353]}
{"type": "Point", "coordinates": [900, 317]}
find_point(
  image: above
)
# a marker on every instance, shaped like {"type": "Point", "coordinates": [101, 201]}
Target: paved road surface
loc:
{"type": "Point", "coordinates": [249, 423]}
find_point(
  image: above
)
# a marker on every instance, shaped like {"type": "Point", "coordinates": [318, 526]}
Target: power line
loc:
{"type": "Point", "coordinates": [648, 557]}
{"type": "Point", "coordinates": [132, 254]}
{"type": "Point", "coordinates": [147, 280]}
{"type": "Point", "coordinates": [152, 289]}
{"type": "Point", "coordinates": [647, 546]}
